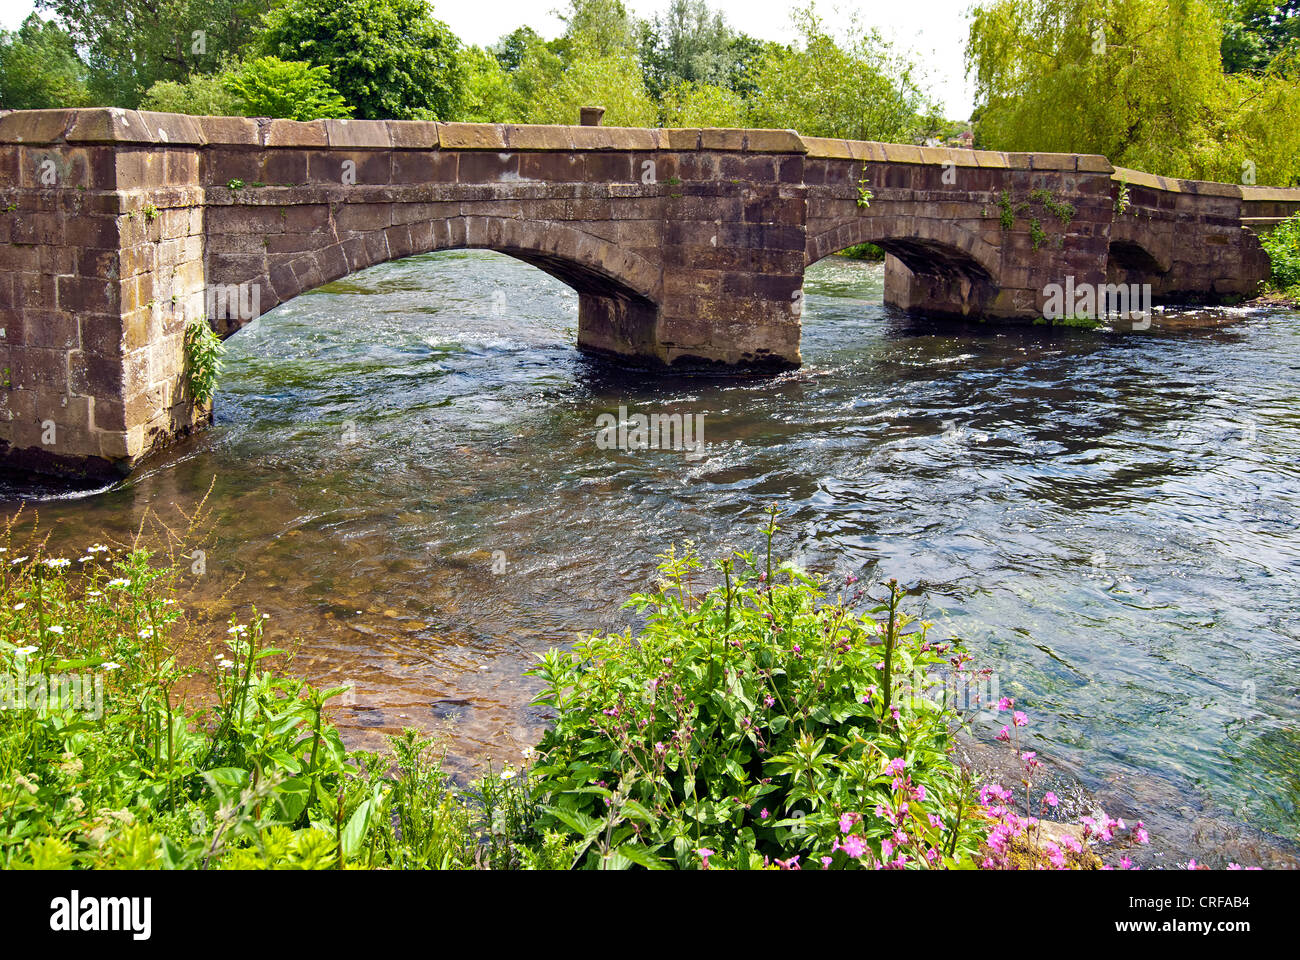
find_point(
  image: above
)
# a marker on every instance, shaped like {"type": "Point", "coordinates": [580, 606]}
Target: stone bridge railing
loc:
{"type": "Point", "coordinates": [685, 246]}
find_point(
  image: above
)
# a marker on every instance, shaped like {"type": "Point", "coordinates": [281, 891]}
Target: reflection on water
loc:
{"type": "Point", "coordinates": [1109, 519]}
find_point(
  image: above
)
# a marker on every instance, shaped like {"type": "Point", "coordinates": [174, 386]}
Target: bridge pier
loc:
{"type": "Point", "coordinates": [687, 248]}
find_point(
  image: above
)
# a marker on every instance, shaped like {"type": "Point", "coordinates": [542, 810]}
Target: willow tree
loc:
{"type": "Point", "coordinates": [1140, 81]}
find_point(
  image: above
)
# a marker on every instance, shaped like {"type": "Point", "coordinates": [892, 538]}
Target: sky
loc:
{"type": "Point", "coordinates": [934, 31]}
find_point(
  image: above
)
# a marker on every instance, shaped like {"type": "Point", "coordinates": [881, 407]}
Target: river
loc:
{"type": "Point", "coordinates": [407, 480]}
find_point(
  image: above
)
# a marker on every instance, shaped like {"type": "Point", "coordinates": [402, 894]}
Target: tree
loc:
{"type": "Point", "coordinates": [1139, 81]}
{"type": "Point", "coordinates": [293, 90]}
{"type": "Point", "coordinates": [1256, 32]}
{"type": "Point", "coordinates": [856, 88]}
{"type": "Point", "coordinates": [688, 43]}
{"type": "Point", "coordinates": [703, 105]}
{"type": "Point", "coordinates": [39, 68]}
{"type": "Point", "coordinates": [131, 44]}
{"type": "Point", "coordinates": [201, 95]}
{"type": "Point", "coordinates": [390, 59]}
{"type": "Point", "coordinates": [488, 95]}
{"type": "Point", "coordinates": [600, 28]}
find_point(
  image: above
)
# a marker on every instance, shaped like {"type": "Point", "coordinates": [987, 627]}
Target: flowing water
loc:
{"type": "Point", "coordinates": [408, 480]}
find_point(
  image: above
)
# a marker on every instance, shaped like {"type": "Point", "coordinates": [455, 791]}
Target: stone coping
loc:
{"type": "Point", "coordinates": [1205, 188]}
{"type": "Point", "coordinates": [1271, 194]}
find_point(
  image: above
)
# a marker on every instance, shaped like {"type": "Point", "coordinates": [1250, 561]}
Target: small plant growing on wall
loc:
{"type": "Point", "coordinates": [864, 189]}
{"type": "Point", "coordinates": [1122, 201]}
{"type": "Point", "coordinates": [203, 350]}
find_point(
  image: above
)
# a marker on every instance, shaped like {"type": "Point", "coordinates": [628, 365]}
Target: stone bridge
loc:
{"type": "Point", "coordinates": [687, 247]}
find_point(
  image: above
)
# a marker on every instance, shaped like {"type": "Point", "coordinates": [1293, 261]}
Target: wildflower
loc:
{"type": "Point", "coordinates": [826, 862]}
{"type": "Point", "coordinates": [14, 563]}
{"type": "Point", "coordinates": [55, 629]}
{"type": "Point", "coordinates": [24, 651]}
{"type": "Point", "coordinates": [529, 753]}
{"type": "Point", "coordinates": [1055, 855]}
{"type": "Point", "coordinates": [1004, 735]}
{"type": "Point", "coordinates": [853, 847]}
{"type": "Point", "coordinates": [896, 766]}
{"type": "Point", "coordinates": [871, 692]}
{"type": "Point", "coordinates": [886, 848]}
{"type": "Point", "coordinates": [77, 804]}
{"type": "Point", "coordinates": [508, 773]}
{"type": "Point", "coordinates": [1125, 863]}
{"type": "Point", "coordinates": [1006, 703]}
{"type": "Point", "coordinates": [19, 606]}
{"type": "Point", "coordinates": [791, 864]}
{"type": "Point", "coordinates": [1020, 719]}
{"type": "Point", "coordinates": [1050, 799]}
{"type": "Point", "coordinates": [58, 563]}
{"type": "Point", "coordinates": [763, 814]}
{"type": "Point", "coordinates": [146, 633]}
{"type": "Point", "coordinates": [705, 853]}
{"type": "Point", "coordinates": [110, 665]}
{"type": "Point", "coordinates": [28, 784]}
{"type": "Point", "coordinates": [119, 582]}
{"type": "Point", "coordinates": [847, 820]}
{"type": "Point", "coordinates": [769, 700]}
{"type": "Point", "coordinates": [1140, 833]}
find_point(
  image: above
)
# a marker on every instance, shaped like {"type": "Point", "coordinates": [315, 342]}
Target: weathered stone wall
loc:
{"type": "Point", "coordinates": [1189, 239]}
{"type": "Point", "coordinates": [938, 213]}
{"type": "Point", "coordinates": [685, 246]}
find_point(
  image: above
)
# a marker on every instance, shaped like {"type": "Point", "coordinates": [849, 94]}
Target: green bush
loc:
{"type": "Point", "coordinates": [754, 724]}
{"type": "Point", "coordinates": [863, 251]}
{"type": "Point", "coordinates": [1283, 247]}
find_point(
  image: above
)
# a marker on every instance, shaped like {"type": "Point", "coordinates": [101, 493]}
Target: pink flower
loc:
{"type": "Point", "coordinates": [826, 862]}
{"type": "Point", "coordinates": [896, 766]}
{"type": "Point", "coordinates": [886, 849]}
{"type": "Point", "coordinates": [763, 814]}
{"type": "Point", "coordinates": [1006, 703]}
{"type": "Point", "coordinates": [1004, 735]}
{"type": "Point", "coordinates": [1050, 799]}
{"type": "Point", "coordinates": [1020, 719]}
{"type": "Point", "coordinates": [705, 853]}
{"type": "Point", "coordinates": [847, 820]}
{"type": "Point", "coordinates": [853, 847]}
{"type": "Point", "coordinates": [769, 700]}
{"type": "Point", "coordinates": [1140, 833]}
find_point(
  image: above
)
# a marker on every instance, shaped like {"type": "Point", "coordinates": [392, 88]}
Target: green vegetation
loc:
{"type": "Point", "coordinates": [1143, 82]}
{"type": "Point", "coordinates": [39, 68]}
{"type": "Point", "coordinates": [1207, 89]}
{"type": "Point", "coordinates": [756, 724]}
{"type": "Point", "coordinates": [203, 350]}
{"type": "Point", "coordinates": [1283, 247]}
{"type": "Point", "coordinates": [752, 724]}
{"type": "Point", "coordinates": [390, 59]}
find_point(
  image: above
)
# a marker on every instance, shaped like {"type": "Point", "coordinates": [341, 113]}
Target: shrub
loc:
{"type": "Point", "coordinates": [1283, 247]}
{"type": "Point", "coordinates": [754, 725]}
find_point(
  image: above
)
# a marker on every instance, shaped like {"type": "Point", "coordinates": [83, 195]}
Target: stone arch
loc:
{"type": "Point", "coordinates": [1129, 255]}
{"type": "Point", "coordinates": [924, 246]}
{"type": "Point", "coordinates": [600, 271]}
